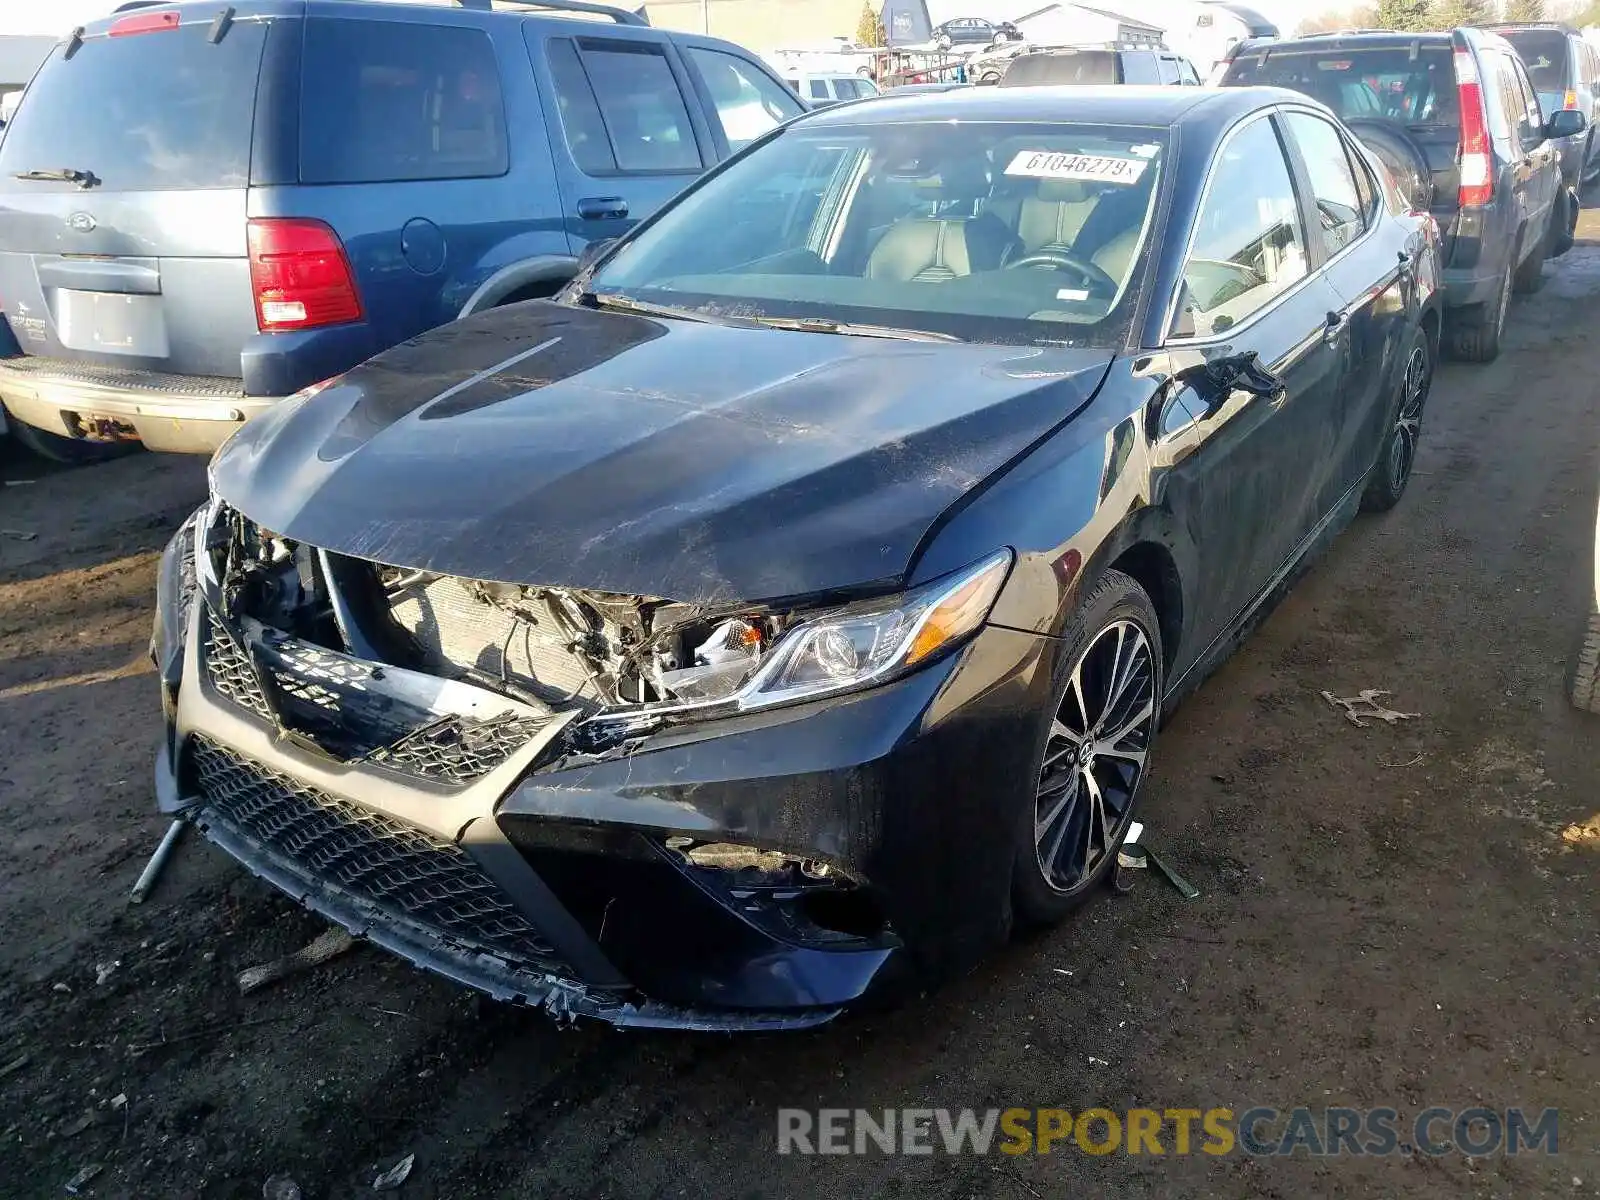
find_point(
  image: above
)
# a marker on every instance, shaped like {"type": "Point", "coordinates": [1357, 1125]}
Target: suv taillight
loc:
{"type": "Point", "coordinates": [300, 275]}
{"type": "Point", "coordinates": [1477, 156]}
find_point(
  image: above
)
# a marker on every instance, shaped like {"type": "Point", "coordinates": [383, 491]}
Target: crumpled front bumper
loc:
{"type": "Point", "coordinates": [550, 883]}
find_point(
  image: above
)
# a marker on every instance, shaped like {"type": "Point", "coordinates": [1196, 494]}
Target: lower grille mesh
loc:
{"type": "Point", "coordinates": [229, 668]}
{"type": "Point", "coordinates": [398, 867]}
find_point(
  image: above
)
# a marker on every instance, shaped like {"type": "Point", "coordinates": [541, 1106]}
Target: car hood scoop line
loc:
{"type": "Point", "coordinates": [545, 444]}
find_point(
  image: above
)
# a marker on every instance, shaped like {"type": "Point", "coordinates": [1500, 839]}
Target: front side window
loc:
{"type": "Point", "coordinates": [747, 101]}
{"type": "Point", "coordinates": [1333, 184]}
{"type": "Point", "coordinates": [412, 102]}
{"type": "Point", "coordinates": [1248, 246]}
{"type": "Point", "coordinates": [1009, 232]}
{"type": "Point", "coordinates": [627, 92]}
{"type": "Point", "coordinates": [819, 89]}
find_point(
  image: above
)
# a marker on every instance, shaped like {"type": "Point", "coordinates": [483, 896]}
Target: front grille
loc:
{"type": "Point", "coordinates": [460, 749]}
{"type": "Point", "coordinates": [401, 869]}
{"type": "Point", "coordinates": [229, 669]}
{"type": "Point", "coordinates": [30, 365]}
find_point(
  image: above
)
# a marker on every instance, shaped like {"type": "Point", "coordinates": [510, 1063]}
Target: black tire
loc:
{"type": "Point", "coordinates": [1091, 661]}
{"type": "Point", "coordinates": [1406, 160]}
{"type": "Point", "coordinates": [1475, 333]}
{"type": "Point", "coordinates": [1586, 671]}
{"type": "Point", "coordinates": [1563, 229]}
{"type": "Point", "coordinates": [1391, 471]}
{"type": "Point", "coordinates": [76, 451]}
{"type": "Point", "coordinates": [1530, 273]}
{"type": "Point", "coordinates": [989, 78]}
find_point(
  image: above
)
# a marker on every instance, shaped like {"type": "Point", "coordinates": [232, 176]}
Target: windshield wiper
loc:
{"type": "Point", "coordinates": [84, 179]}
{"type": "Point", "coordinates": [645, 308]}
{"type": "Point", "coordinates": [824, 325]}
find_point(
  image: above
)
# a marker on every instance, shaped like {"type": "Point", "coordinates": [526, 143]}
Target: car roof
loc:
{"type": "Point", "coordinates": [1340, 40]}
{"type": "Point", "coordinates": [1108, 105]}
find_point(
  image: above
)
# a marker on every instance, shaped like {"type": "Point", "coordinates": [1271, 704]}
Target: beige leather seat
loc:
{"type": "Point", "coordinates": [1053, 216]}
{"type": "Point", "coordinates": [922, 250]}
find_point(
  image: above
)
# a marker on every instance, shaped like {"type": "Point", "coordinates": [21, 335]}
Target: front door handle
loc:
{"type": "Point", "coordinates": [1337, 323]}
{"type": "Point", "coordinates": [602, 208]}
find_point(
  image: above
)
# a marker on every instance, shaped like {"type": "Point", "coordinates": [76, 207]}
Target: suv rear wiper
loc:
{"type": "Point", "coordinates": [824, 325]}
{"type": "Point", "coordinates": [84, 179]}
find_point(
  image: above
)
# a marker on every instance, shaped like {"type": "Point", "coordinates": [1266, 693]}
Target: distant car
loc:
{"type": "Point", "coordinates": [966, 31]}
{"type": "Point", "coordinates": [205, 208]}
{"type": "Point", "coordinates": [913, 89]}
{"type": "Point", "coordinates": [1565, 70]}
{"type": "Point", "coordinates": [1095, 65]}
{"type": "Point", "coordinates": [788, 612]}
{"type": "Point", "coordinates": [820, 90]}
{"type": "Point", "coordinates": [1455, 118]}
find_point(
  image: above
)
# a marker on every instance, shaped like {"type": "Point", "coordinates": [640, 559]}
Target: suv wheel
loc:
{"type": "Point", "coordinates": [1475, 335]}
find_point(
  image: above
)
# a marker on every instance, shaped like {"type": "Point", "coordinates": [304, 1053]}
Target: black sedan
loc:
{"type": "Point", "coordinates": [787, 611]}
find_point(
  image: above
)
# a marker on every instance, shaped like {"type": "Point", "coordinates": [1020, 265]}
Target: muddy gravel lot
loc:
{"type": "Point", "coordinates": [1390, 916]}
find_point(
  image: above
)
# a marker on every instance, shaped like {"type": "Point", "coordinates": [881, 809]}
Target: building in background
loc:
{"type": "Point", "coordinates": [20, 57]}
{"type": "Point", "coordinates": [1077, 24]}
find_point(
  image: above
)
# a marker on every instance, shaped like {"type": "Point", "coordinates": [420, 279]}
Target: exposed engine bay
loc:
{"type": "Point", "coordinates": [555, 649]}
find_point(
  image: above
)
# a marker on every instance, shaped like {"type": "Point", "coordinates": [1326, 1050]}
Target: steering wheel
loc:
{"type": "Point", "coordinates": [1092, 275]}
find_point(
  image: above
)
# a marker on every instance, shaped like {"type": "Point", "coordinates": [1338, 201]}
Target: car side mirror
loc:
{"type": "Point", "coordinates": [1564, 124]}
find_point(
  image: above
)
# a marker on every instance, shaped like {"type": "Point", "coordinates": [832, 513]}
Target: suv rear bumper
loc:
{"type": "Point", "coordinates": [187, 414]}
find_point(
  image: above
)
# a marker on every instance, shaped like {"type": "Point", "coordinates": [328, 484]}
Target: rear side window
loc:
{"type": "Point", "coordinates": [1333, 184]}
{"type": "Point", "coordinates": [1140, 67]}
{"type": "Point", "coordinates": [1169, 69]}
{"type": "Point", "coordinates": [387, 101]}
{"type": "Point", "coordinates": [153, 111]}
{"type": "Point", "coordinates": [625, 91]}
{"type": "Point", "coordinates": [1381, 83]}
{"type": "Point", "coordinates": [819, 89]}
{"type": "Point", "coordinates": [747, 101]}
{"type": "Point", "coordinates": [1546, 54]}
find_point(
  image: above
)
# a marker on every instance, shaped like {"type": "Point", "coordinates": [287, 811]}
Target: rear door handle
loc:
{"type": "Point", "coordinates": [602, 208]}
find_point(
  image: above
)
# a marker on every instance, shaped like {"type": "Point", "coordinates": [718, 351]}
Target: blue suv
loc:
{"type": "Point", "coordinates": [207, 207]}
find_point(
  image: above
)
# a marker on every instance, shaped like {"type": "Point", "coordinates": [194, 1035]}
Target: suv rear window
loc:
{"type": "Point", "coordinates": [385, 101]}
{"type": "Point", "coordinates": [1380, 83]}
{"type": "Point", "coordinates": [1082, 67]}
{"type": "Point", "coordinates": [153, 111]}
{"type": "Point", "coordinates": [1545, 53]}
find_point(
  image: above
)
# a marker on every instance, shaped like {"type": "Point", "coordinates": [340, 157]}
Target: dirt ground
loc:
{"type": "Point", "coordinates": [1389, 916]}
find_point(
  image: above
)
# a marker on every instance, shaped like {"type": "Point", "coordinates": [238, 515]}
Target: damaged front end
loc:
{"type": "Point", "coordinates": [430, 762]}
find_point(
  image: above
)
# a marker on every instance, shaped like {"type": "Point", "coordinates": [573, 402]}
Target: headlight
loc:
{"type": "Point", "coordinates": [860, 646]}
{"type": "Point", "coordinates": [848, 648]}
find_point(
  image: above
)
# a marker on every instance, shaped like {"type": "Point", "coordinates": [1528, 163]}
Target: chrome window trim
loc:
{"type": "Point", "coordinates": [1172, 341]}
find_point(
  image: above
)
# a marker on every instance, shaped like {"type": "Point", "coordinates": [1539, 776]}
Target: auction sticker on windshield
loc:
{"type": "Point", "coordinates": [1050, 164]}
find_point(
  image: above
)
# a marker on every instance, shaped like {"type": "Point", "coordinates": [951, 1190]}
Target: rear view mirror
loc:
{"type": "Point", "coordinates": [1564, 124]}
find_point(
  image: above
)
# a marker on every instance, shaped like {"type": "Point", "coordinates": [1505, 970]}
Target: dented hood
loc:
{"type": "Point", "coordinates": [545, 444]}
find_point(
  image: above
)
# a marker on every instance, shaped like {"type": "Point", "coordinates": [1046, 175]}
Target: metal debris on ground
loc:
{"type": "Point", "coordinates": [78, 1126]}
{"type": "Point", "coordinates": [395, 1175]}
{"type": "Point", "coordinates": [22, 535]}
{"type": "Point", "coordinates": [104, 971]}
{"type": "Point", "coordinates": [158, 860]}
{"type": "Point", "coordinates": [76, 1184]}
{"type": "Point", "coordinates": [1133, 855]}
{"type": "Point", "coordinates": [15, 1065]}
{"type": "Point", "coordinates": [1366, 705]}
{"type": "Point", "coordinates": [330, 944]}
{"type": "Point", "coordinates": [280, 1187]}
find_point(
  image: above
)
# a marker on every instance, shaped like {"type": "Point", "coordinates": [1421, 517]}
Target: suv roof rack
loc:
{"type": "Point", "coordinates": [620, 15]}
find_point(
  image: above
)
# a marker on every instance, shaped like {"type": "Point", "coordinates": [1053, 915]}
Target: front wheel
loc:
{"type": "Point", "coordinates": [1093, 750]}
{"type": "Point", "coordinates": [1398, 454]}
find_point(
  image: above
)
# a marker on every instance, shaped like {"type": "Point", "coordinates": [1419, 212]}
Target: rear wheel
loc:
{"type": "Point", "coordinates": [1475, 334]}
{"type": "Point", "coordinates": [1392, 471]}
{"type": "Point", "coordinates": [65, 449]}
{"type": "Point", "coordinates": [1094, 750]}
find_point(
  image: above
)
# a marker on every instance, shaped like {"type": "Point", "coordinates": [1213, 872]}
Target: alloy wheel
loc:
{"type": "Point", "coordinates": [1413, 394]}
{"type": "Point", "coordinates": [1095, 755]}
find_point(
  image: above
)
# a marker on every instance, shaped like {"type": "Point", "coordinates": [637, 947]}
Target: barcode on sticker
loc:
{"type": "Point", "coordinates": [1104, 168]}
